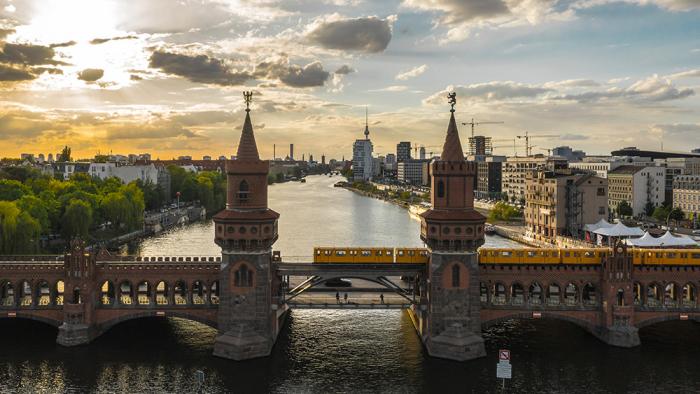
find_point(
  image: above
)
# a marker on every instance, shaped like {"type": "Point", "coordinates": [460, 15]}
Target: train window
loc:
{"type": "Point", "coordinates": [519, 254]}
{"type": "Point", "coordinates": [567, 254]}
{"type": "Point", "coordinates": [506, 253]}
{"type": "Point", "coordinates": [389, 252]}
{"type": "Point", "coordinates": [531, 254]}
{"type": "Point", "coordinates": [366, 253]}
{"type": "Point", "coordinates": [411, 252]}
{"type": "Point", "coordinates": [684, 255]}
{"type": "Point", "coordinates": [340, 253]}
{"type": "Point", "coordinates": [353, 252]}
{"type": "Point", "coordinates": [671, 255]}
{"type": "Point", "coordinates": [695, 255]}
{"type": "Point", "coordinates": [318, 253]}
{"type": "Point", "coordinates": [658, 254]}
{"type": "Point", "coordinates": [328, 252]}
{"type": "Point", "coordinates": [577, 254]}
{"type": "Point", "coordinates": [399, 253]}
{"type": "Point", "coordinates": [378, 253]}
{"type": "Point", "coordinates": [545, 254]}
{"type": "Point", "coordinates": [423, 252]}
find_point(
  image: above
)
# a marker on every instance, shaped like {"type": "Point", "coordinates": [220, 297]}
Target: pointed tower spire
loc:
{"type": "Point", "coordinates": [452, 149]}
{"type": "Point", "coordinates": [366, 124]}
{"type": "Point", "coordinates": [247, 149]}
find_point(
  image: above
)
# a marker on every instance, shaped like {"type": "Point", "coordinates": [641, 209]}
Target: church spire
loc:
{"type": "Point", "coordinates": [452, 149]}
{"type": "Point", "coordinates": [247, 149]}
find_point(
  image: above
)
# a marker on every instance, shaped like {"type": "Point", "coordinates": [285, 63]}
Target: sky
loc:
{"type": "Point", "coordinates": [166, 76]}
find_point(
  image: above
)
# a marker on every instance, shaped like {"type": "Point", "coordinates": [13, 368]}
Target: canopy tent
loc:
{"type": "Point", "coordinates": [669, 239]}
{"type": "Point", "coordinates": [645, 241]}
{"type": "Point", "coordinates": [602, 223]}
{"type": "Point", "coordinates": [619, 230]}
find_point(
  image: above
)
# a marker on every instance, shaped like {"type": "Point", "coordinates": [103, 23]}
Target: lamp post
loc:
{"type": "Point", "coordinates": [178, 201]}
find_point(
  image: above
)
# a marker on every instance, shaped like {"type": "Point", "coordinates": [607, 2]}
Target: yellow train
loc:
{"type": "Point", "coordinates": [361, 255]}
{"type": "Point", "coordinates": [544, 256]}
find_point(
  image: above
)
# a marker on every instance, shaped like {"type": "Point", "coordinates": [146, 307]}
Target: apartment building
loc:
{"type": "Point", "coordinates": [637, 185]}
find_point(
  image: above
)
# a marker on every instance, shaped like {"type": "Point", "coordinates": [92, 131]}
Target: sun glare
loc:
{"type": "Point", "coordinates": [70, 20]}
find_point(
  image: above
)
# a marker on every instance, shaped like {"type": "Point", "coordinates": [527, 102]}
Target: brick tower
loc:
{"type": "Point", "coordinates": [617, 320]}
{"type": "Point", "coordinates": [245, 231]}
{"type": "Point", "coordinates": [80, 296]}
{"type": "Point", "coordinates": [453, 231]}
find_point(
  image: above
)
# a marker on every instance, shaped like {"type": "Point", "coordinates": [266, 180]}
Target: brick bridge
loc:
{"type": "Point", "coordinates": [244, 293]}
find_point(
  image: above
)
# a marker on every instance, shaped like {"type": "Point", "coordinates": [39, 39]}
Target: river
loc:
{"type": "Point", "coordinates": [338, 351]}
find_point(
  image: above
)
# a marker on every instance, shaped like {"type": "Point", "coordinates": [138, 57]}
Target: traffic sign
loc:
{"type": "Point", "coordinates": [504, 355]}
{"type": "Point", "coordinates": [504, 370]}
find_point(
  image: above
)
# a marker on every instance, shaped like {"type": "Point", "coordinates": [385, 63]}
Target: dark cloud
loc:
{"type": "Point", "coordinates": [573, 137]}
{"type": "Point", "coordinates": [345, 69]}
{"type": "Point", "coordinates": [293, 75]}
{"type": "Point", "coordinates": [97, 41]}
{"type": "Point", "coordinates": [11, 74]}
{"type": "Point", "coordinates": [63, 44]}
{"type": "Point", "coordinates": [197, 68]}
{"type": "Point", "coordinates": [28, 54]}
{"type": "Point", "coordinates": [23, 124]}
{"type": "Point", "coordinates": [91, 74]}
{"type": "Point", "coordinates": [369, 34]}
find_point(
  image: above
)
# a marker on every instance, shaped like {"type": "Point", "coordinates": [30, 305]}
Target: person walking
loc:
{"type": "Point", "coordinates": [337, 297]}
{"type": "Point", "coordinates": [345, 297]}
{"type": "Point", "coordinates": [381, 298]}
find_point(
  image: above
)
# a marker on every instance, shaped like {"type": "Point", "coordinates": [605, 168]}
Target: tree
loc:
{"type": "Point", "coordinates": [38, 210]}
{"type": "Point", "coordinates": [65, 154]}
{"type": "Point", "coordinates": [677, 214]}
{"type": "Point", "coordinates": [624, 209]}
{"type": "Point", "coordinates": [19, 231]}
{"type": "Point", "coordinates": [11, 190]}
{"type": "Point", "coordinates": [77, 219]}
{"type": "Point", "coordinates": [503, 211]}
{"type": "Point", "coordinates": [649, 208]}
{"type": "Point", "coordinates": [116, 209]}
{"type": "Point", "coordinates": [661, 213]}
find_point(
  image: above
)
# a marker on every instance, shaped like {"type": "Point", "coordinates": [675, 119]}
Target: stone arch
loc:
{"type": "Point", "coordinates": [43, 293]}
{"type": "Point", "coordinates": [535, 294]}
{"type": "Point", "coordinates": [517, 294]}
{"type": "Point", "coordinates": [126, 293]}
{"type": "Point", "coordinates": [25, 293]}
{"type": "Point", "coordinates": [571, 296]}
{"type": "Point", "coordinates": [243, 191]}
{"type": "Point", "coordinates": [653, 295]}
{"type": "Point", "coordinates": [214, 291]}
{"type": "Point", "coordinates": [144, 293]}
{"type": "Point", "coordinates": [107, 293]}
{"type": "Point", "coordinates": [664, 318]}
{"type": "Point", "coordinates": [8, 298]}
{"type": "Point", "coordinates": [499, 294]}
{"type": "Point", "coordinates": [483, 293]}
{"type": "Point", "coordinates": [620, 297]}
{"type": "Point", "coordinates": [31, 316]}
{"type": "Point", "coordinates": [180, 294]}
{"type": "Point", "coordinates": [140, 314]}
{"type": "Point", "coordinates": [553, 294]}
{"type": "Point", "coordinates": [59, 290]}
{"type": "Point", "coordinates": [688, 295]}
{"type": "Point", "coordinates": [162, 294]}
{"type": "Point", "coordinates": [199, 292]}
{"type": "Point", "coordinates": [552, 315]}
{"type": "Point", "coordinates": [637, 293]}
{"type": "Point", "coordinates": [671, 294]}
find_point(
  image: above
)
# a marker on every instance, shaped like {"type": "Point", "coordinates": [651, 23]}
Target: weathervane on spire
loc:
{"type": "Point", "coordinates": [248, 97]}
{"type": "Point", "coordinates": [452, 100]}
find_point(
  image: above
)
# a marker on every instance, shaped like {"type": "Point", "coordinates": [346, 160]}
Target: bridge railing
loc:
{"type": "Point", "coordinates": [30, 258]}
{"type": "Point", "coordinates": [163, 259]}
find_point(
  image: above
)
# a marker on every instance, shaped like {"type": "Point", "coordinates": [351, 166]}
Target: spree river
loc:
{"type": "Point", "coordinates": [338, 351]}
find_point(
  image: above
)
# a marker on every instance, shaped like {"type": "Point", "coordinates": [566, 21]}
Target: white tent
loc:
{"type": "Point", "coordinates": [602, 223]}
{"type": "Point", "coordinates": [669, 239]}
{"type": "Point", "coordinates": [620, 230]}
{"type": "Point", "coordinates": [646, 241]}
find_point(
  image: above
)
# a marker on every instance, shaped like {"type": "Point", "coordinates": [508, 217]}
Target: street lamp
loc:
{"type": "Point", "coordinates": [178, 201]}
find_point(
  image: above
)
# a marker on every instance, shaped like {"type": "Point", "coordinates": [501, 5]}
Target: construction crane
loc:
{"type": "Point", "coordinates": [527, 137]}
{"type": "Point", "coordinates": [513, 140]}
{"type": "Point", "coordinates": [472, 124]}
{"type": "Point", "coordinates": [549, 151]}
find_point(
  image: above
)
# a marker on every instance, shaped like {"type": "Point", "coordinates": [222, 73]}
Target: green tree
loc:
{"type": "Point", "coordinates": [77, 219]}
{"type": "Point", "coordinates": [65, 154]}
{"type": "Point", "coordinates": [116, 209]}
{"type": "Point", "coordinates": [38, 210]}
{"type": "Point", "coordinates": [177, 178]}
{"type": "Point", "coordinates": [503, 211]}
{"type": "Point", "coordinates": [677, 214]}
{"type": "Point", "coordinates": [649, 208]}
{"type": "Point", "coordinates": [624, 209]}
{"type": "Point", "coordinates": [152, 194]}
{"type": "Point", "coordinates": [8, 226]}
{"type": "Point", "coordinates": [11, 190]}
{"type": "Point", "coordinates": [661, 213]}
{"type": "Point", "coordinates": [28, 234]}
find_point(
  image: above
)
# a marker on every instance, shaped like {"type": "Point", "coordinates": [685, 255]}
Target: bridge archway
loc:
{"type": "Point", "coordinates": [7, 294]}
{"type": "Point", "coordinates": [663, 319]}
{"type": "Point", "coordinates": [321, 281]}
{"type": "Point", "coordinates": [29, 316]}
{"type": "Point", "coordinates": [587, 326]}
{"type": "Point", "coordinates": [109, 324]}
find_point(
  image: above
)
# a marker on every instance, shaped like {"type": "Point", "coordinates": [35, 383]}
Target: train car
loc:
{"type": "Point", "coordinates": [666, 257]}
{"type": "Point", "coordinates": [584, 256]}
{"type": "Point", "coordinates": [412, 255]}
{"type": "Point", "coordinates": [360, 255]}
{"type": "Point", "coordinates": [519, 256]}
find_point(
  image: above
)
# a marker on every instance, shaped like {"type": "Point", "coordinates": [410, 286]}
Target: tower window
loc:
{"type": "Point", "coordinates": [243, 277]}
{"type": "Point", "coordinates": [441, 189]}
{"type": "Point", "coordinates": [243, 191]}
{"type": "Point", "coordinates": [455, 275]}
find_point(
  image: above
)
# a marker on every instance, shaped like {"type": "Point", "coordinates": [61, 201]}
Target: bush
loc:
{"type": "Point", "coordinates": [503, 211]}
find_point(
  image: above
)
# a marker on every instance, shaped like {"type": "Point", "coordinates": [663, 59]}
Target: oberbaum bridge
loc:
{"type": "Point", "coordinates": [451, 295]}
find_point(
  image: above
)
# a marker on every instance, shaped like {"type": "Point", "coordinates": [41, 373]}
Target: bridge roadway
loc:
{"type": "Point", "coordinates": [348, 270]}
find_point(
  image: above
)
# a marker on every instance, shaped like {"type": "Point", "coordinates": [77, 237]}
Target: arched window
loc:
{"type": "Point", "coordinates": [455, 275]}
{"type": "Point", "coordinates": [243, 191]}
{"type": "Point", "coordinates": [243, 277]}
{"type": "Point", "coordinates": [441, 189]}
{"type": "Point", "coordinates": [620, 297]}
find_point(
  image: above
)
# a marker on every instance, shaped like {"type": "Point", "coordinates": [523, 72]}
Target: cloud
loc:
{"type": "Point", "coordinates": [63, 44]}
{"type": "Point", "coordinates": [344, 70]}
{"type": "Point", "coordinates": [571, 83]}
{"type": "Point", "coordinates": [677, 129]}
{"type": "Point", "coordinates": [197, 68]}
{"type": "Point", "coordinates": [23, 124]}
{"type": "Point", "coordinates": [685, 74]}
{"type": "Point", "coordinates": [5, 32]}
{"type": "Point", "coordinates": [489, 91]}
{"type": "Point", "coordinates": [28, 54]}
{"type": "Point", "coordinates": [12, 74]}
{"type": "Point", "coordinates": [91, 74]}
{"type": "Point", "coordinates": [654, 88]}
{"type": "Point", "coordinates": [573, 137]}
{"type": "Point", "coordinates": [292, 75]}
{"type": "Point", "coordinates": [393, 88]}
{"type": "Point", "coordinates": [97, 41]}
{"type": "Point", "coordinates": [155, 130]}
{"type": "Point", "coordinates": [412, 73]}
{"type": "Point", "coordinates": [368, 34]}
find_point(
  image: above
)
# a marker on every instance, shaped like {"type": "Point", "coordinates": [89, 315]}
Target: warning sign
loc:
{"type": "Point", "coordinates": [504, 370]}
{"type": "Point", "coordinates": [504, 355]}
